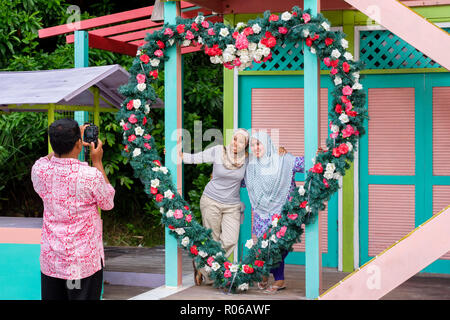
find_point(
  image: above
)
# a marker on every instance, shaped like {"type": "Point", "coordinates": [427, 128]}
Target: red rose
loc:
{"type": "Point", "coordinates": [259, 263]}
{"type": "Point", "coordinates": [325, 182]}
{"type": "Point", "coordinates": [194, 250]}
{"type": "Point", "coordinates": [144, 121]}
{"type": "Point", "coordinates": [271, 42]}
{"type": "Point", "coordinates": [227, 265]}
{"type": "Point", "coordinates": [328, 41]}
{"type": "Point", "coordinates": [144, 58]}
{"type": "Point", "coordinates": [352, 113]}
{"type": "Point", "coordinates": [153, 190]}
{"type": "Point", "coordinates": [186, 207]}
{"type": "Point", "coordinates": [346, 67]}
{"type": "Point", "coordinates": [235, 35]}
{"type": "Point", "coordinates": [316, 36]}
{"type": "Point", "coordinates": [171, 227]}
{"type": "Point", "coordinates": [159, 197]}
{"type": "Point", "coordinates": [194, 26]}
{"type": "Point", "coordinates": [248, 269]}
{"type": "Point", "coordinates": [317, 168]}
{"type": "Point", "coordinates": [334, 63]}
{"type": "Point", "coordinates": [131, 138]}
{"type": "Point", "coordinates": [248, 31]}
{"type": "Point", "coordinates": [265, 236]}
{"type": "Point", "coordinates": [157, 162]}
{"type": "Point", "coordinates": [303, 204]}
{"type": "Point", "coordinates": [336, 152]}
{"type": "Point", "coordinates": [273, 17]}
{"type": "Point", "coordinates": [268, 34]}
{"type": "Point", "coordinates": [160, 44]}
{"type": "Point", "coordinates": [293, 216]}
{"type": "Point", "coordinates": [344, 99]}
{"type": "Point", "coordinates": [338, 109]}
{"type": "Point", "coordinates": [130, 105]}
{"type": "Point", "coordinates": [308, 41]}
{"type": "Point", "coordinates": [180, 28]}
{"type": "Point", "coordinates": [343, 148]}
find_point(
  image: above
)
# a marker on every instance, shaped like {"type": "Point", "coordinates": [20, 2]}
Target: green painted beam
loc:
{"type": "Point", "coordinates": [228, 92]}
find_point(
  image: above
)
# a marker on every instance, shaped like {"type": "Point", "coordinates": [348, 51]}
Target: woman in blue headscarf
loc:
{"type": "Point", "coordinates": [269, 178]}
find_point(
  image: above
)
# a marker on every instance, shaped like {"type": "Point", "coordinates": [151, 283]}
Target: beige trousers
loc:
{"type": "Point", "coordinates": [224, 220]}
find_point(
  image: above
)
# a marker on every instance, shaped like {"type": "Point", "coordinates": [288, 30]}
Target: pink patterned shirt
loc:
{"type": "Point", "coordinates": [71, 243]}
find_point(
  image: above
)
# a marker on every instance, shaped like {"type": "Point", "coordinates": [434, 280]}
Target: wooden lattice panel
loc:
{"type": "Point", "coordinates": [381, 49]}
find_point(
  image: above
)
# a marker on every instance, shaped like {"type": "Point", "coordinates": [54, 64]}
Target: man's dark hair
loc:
{"type": "Point", "coordinates": [63, 134]}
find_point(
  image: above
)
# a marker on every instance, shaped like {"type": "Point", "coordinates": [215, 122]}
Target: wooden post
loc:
{"type": "Point", "coordinates": [313, 255]}
{"type": "Point", "coordinates": [81, 61]}
{"type": "Point", "coordinates": [173, 115]}
{"type": "Point", "coordinates": [50, 120]}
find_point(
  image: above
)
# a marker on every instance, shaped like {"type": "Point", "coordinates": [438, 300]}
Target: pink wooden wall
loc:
{"type": "Point", "coordinates": [441, 131]}
{"type": "Point", "coordinates": [391, 131]}
{"type": "Point", "coordinates": [441, 199]}
{"type": "Point", "coordinates": [289, 129]}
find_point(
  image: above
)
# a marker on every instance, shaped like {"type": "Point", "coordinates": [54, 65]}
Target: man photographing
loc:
{"type": "Point", "coordinates": [72, 256]}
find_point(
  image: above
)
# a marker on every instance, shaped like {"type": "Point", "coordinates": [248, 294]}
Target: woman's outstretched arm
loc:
{"type": "Point", "coordinates": [206, 156]}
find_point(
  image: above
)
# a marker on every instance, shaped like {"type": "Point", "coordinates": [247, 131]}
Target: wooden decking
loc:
{"type": "Point", "coordinates": [131, 272]}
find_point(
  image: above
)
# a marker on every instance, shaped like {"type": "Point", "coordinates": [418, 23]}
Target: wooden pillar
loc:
{"type": "Point", "coordinates": [81, 44]}
{"type": "Point", "coordinates": [50, 120]}
{"type": "Point", "coordinates": [96, 93]}
{"type": "Point", "coordinates": [173, 117]}
{"type": "Point", "coordinates": [313, 255]}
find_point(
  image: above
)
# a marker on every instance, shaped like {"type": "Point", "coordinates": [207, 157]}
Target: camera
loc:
{"type": "Point", "coordinates": [91, 133]}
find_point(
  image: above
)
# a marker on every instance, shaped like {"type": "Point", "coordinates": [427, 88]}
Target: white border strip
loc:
{"type": "Point", "coordinates": [356, 208]}
{"type": "Point", "coordinates": [340, 226]}
{"type": "Point", "coordinates": [164, 291]}
{"type": "Point", "coordinates": [235, 98]}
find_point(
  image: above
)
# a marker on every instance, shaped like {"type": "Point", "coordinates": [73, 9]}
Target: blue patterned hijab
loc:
{"type": "Point", "coordinates": [268, 178]}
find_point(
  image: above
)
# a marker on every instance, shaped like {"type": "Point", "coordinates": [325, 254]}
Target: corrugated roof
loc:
{"type": "Point", "coordinates": [63, 86]}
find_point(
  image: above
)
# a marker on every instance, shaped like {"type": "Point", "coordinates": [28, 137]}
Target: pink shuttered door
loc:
{"type": "Point", "coordinates": [391, 156]}
{"type": "Point", "coordinates": [279, 111]}
{"type": "Point", "coordinates": [441, 148]}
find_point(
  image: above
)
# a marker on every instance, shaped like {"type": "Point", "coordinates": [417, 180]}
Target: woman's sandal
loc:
{"type": "Point", "coordinates": [198, 277]}
{"type": "Point", "coordinates": [263, 285]}
{"type": "Point", "coordinates": [273, 289]}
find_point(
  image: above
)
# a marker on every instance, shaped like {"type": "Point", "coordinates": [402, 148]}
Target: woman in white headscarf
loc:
{"type": "Point", "coordinates": [220, 203]}
{"type": "Point", "coordinates": [270, 177]}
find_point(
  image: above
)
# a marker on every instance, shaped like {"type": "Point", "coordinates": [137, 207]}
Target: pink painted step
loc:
{"type": "Point", "coordinates": [397, 264]}
{"type": "Point", "coordinates": [411, 27]}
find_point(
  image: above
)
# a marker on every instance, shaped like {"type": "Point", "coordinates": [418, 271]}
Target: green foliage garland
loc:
{"type": "Point", "coordinates": [240, 47]}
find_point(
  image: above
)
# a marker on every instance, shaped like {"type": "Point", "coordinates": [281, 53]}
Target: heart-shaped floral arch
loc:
{"type": "Point", "coordinates": [238, 48]}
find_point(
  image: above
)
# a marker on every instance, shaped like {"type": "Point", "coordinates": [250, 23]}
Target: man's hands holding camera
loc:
{"type": "Point", "coordinates": [96, 152]}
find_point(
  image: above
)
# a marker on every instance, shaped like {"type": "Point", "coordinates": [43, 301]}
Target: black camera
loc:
{"type": "Point", "coordinates": [90, 134]}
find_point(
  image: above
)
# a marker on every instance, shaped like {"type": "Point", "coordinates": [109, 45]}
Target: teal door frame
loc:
{"type": "Point", "coordinates": [423, 179]}
{"type": "Point", "coordinates": [246, 83]}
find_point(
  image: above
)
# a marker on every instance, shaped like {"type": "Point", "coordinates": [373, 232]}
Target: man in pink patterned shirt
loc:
{"type": "Point", "coordinates": [72, 256]}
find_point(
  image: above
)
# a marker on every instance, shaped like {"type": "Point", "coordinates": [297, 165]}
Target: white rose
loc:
{"type": "Point", "coordinates": [350, 146]}
{"type": "Point", "coordinates": [256, 28]}
{"type": "Point", "coordinates": [266, 51]}
{"type": "Point", "coordinates": [215, 59]}
{"type": "Point", "coordinates": [245, 58]}
{"type": "Point", "coordinates": [185, 241]}
{"type": "Point", "coordinates": [337, 175]}
{"type": "Point", "coordinates": [273, 238]}
{"type": "Point", "coordinates": [348, 56]}
{"type": "Point", "coordinates": [357, 86]}
{"type": "Point", "coordinates": [230, 49]}
{"type": "Point", "coordinates": [179, 231]}
{"type": "Point", "coordinates": [355, 75]}
{"type": "Point", "coordinates": [328, 175]}
{"type": "Point", "coordinates": [147, 108]}
{"type": "Point", "coordinates": [301, 190]}
{"type": "Point", "coordinates": [243, 287]}
{"type": "Point", "coordinates": [335, 53]}
{"type": "Point", "coordinates": [136, 103]}
{"type": "Point", "coordinates": [286, 16]}
{"type": "Point", "coordinates": [155, 183]}
{"type": "Point", "coordinates": [122, 123]}
{"type": "Point", "coordinates": [337, 81]}
{"type": "Point", "coordinates": [136, 152]}
{"type": "Point", "coordinates": [199, 19]}
{"type": "Point", "coordinates": [305, 33]}
{"type": "Point", "coordinates": [215, 266]}
{"type": "Point", "coordinates": [207, 269]}
{"type": "Point", "coordinates": [275, 222]}
{"type": "Point", "coordinates": [344, 43]}
{"type": "Point", "coordinates": [344, 118]}
{"type": "Point", "coordinates": [138, 53]}
{"type": "Point", "coordinates": [154, 62]}
{"type": "Point", "coordinates": [156, 169]}
{"type": "Point", "coordinates": [308, 209]}
{"type": "Point", "coordinates": [240, 25]}
{"type": "Point", "coordinates": [227, 57]}
{"type": "Point", "coordinates": [163, 170]}
{"type": "Point", "coordinates": [249, 243]}
{"type": "Point", "coordinates": [312, 50]}
{"type": "Point", "coordinates": [234, 268]}
{"type": "Point", "coordinates": [252, 46]}
{"type": "Point", "coordinates": [169, 213]}
{"type": "Point", "coordinates": [168, 194]}
{"type": "Point", "coordinates": [141, 86]}
{"type": "Point", "coordinates": [326, 26]}
{"type": "Point", "coordinates": [171, 42]}
{"type": "Point", "coordinates": [224, 32]}
{"type": "Point", "coordinates": [200, 40]}
{"type": "Point", "coordinates": [330, 167]}
{"type": "Point", "coordinates": [161, 210]}
{"type": "Point", "coordinates": [186, 43]}
{"type": "Point", "coordinates": [264, 244]}
{"type": "Point", "coordinates": [334, 128]}
{"type": "Point", "coordinates": [139, 131]}
{"type": "Point", "coordinates": [202, 254]}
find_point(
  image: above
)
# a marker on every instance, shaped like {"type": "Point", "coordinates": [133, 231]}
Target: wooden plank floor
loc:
{"type": "Point", "coordinates": [151, 260]}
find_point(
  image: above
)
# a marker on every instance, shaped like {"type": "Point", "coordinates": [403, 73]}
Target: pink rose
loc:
{"type": "Point", "coordinates": [189, 35]}
{"type": "Point", "coordinates": [273, 17]}
{"type": "Point", "coordinates": [282, 30]}
{"type": "Point", "coordinates": [131, 138]}
{"type": "Point", "coordinates": [333, 71]}
{"type": "Point", "coordinates": [293, 216]}
{"type": "Point", "coordinates": [347, 91]}
{"type": "Point", "coordinates": [211, 32]}
{"type": "Point", "coordinates": [180, 28]}
{"type": "Point", "coordinates": [327, 61]}
{"type": "Point", "coordinates": [227, 274]}
{"type": "Point", "coordinates": [210, 261]}
{"type": "Point", "coordinates": [325, 182]}
{"type": "Point", "coordinates": [144, 58]}
{"type": "Point", "coordinates": [147, 137]}
{"type": "Point", "coordinates": [149, 147]}
{"type": "Point", "coordinates": [140, 78]}
{"type": "Point", "coordinates": [125, 127]}
{"type": "Point", "coordinates": [334, 135]}
{"type": "Point", "coordinates": [132, 119]}
{"type": "Point", "coordinates": [178, 214]}
{"type": "Point", "coordinates": [205, 24]}
{"type": "Point", "coordinates": [241, 42]}
{"type": "Point", "coordinates": [158, 53]}
{"type": "Point", "coordinates": [188, 218]}
{"type": "Point", "coordinates": [306, 17]}
{"type": "Point", "coordinates": [168, 32]}
{"type": "Point", "coordinates": [281, 232]}
{"type": "Point", "coordinates": [130, 105]}
{"type": "Point", "coordinates": [237, 62]}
